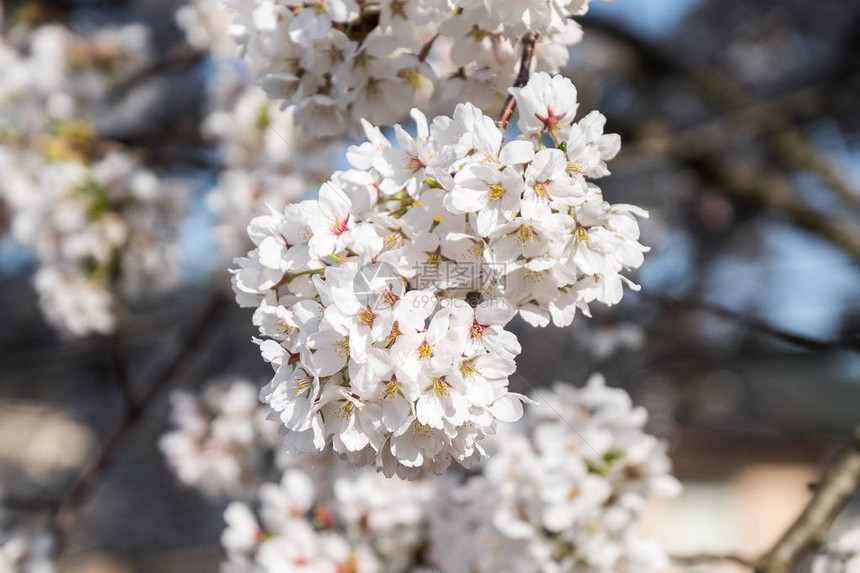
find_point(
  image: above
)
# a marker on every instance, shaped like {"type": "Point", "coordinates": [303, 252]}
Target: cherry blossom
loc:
{"type": "Point", "coordinates": [338, 62]}
{"type": "Point", "coordinates": [841, 555]}
{"type": "Point", "coordinates": [384, 301]}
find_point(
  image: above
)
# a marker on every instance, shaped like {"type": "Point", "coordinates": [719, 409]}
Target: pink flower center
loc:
{"type": "Point", "coordinates": [340, 227]}
{"type": "Point", "coordinates": [550, 121]}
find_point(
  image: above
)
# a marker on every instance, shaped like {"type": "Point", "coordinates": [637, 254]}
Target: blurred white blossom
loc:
{"type": "Point", "coordinates": [339, 61]}
{"type": "Point", "coordinates": [219, 438]}
{"type": "Point", "coordinates": [564, 490]}
{"type": "Point", "coordinates": [384, 302]}
{"type": "Point", "coordinates": [101, 223]}
{"type": "Point", "coordinates": [840, 556]}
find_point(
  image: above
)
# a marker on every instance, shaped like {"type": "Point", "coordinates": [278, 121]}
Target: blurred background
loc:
{"type": "Point", "coordinates": [741, 136]}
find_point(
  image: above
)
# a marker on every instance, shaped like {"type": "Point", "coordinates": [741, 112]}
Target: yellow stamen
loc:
{"type": "Point", "coordinates": [526, 234]}
{"type": "Point", "coordinates": [425, 351]}
{"type": "Point", "coordinates": [341, 347]}
{"type": "Point", "coordinates": [440, 387]}
{"type": "Point", "coordinates": [468, 368]}
{"type": "Point", "coordinates": [346, 410]}
{"type": "Point", "coordinates": [300, 385]}
{"type": "Point", "coordinates": [495, 192]}
{"type": "Point", "coordinates": [534, 276]}
{"type": "Point", "coordinates": [477, 330]}
{"type": "Point", "coordinates": [390, 390]}
{"type": "Point", "coordinates": [414, 164]}
{"type": "Point", "coordinates": [422, 430]}
{"type": "Point", "coordinates": [366, 316]}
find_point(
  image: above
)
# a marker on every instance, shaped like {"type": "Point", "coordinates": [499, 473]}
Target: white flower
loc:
{"type": "Point", "coordinates": [217, 438]}
{"type": "Point", "coordinates": [841, 555]}
{"type": "Point", "coordinates": [100, 232]}
{"type": "Point", "coordinates": [22, 552]}
{"type": "Point", "coordinates": [546, 103]}
{"type": "Point", "coordinates": [338, 66]}
{"type": "Point", "coordinates": [563, 490]}
{"type": "Point", "coordinates": [494, 195]}
{"type": "Point", "coordinates": [385, 301]}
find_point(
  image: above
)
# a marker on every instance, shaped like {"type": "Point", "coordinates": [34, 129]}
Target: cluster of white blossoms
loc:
{"type": "Point", "coordinates": [23, 549]}
{"type": "Point", "coordinates": [51, 76]}
{"type": "Point", "coordinates": [841, 556]}
{"type": "Point", "coordinates": [263, 158]}
{"type": "Point", "coordinates": [328, 521]}
{"type": "Point", "coordinates": [98, 230]}
{"type": "Point", "coordinates": [219, 438]}
{"type": "Point", "coordinates": [100, 222]}
{"type": "Point", "coordinates": [563, 492]}
{"type": "Point", "coordinates": [340, 61]}
{"type": "Point", "coordinates": [22, 552]}
{"type": "Point", "coordinates": [383, 303]}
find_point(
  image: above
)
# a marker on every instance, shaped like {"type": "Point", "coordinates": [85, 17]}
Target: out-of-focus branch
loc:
{"type": "Point", "coordinates": [529, 40]}
{"type": "Point", "coordinates": [780, 132]}
{"type": "Point", "coordinates": [120, 360]}
{"type": "Point", "coordinates": [749, 181]}
{"type": "Point", "coordinates": [838, 484]}
{"type": "Point", "coordinates": [770, 189]}
{"type": "Point", "coordinates": [28, 504]}
{"type": "Point", "coordinates": [180, 56]}
{"type": "Point", "coordinates": [755, 324]}
{"type": "Point", "coordinates": [712, 559]}
{"type": "Point", "coordinates": [90, 476]}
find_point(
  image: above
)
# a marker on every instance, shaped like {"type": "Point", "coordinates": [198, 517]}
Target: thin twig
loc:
{"type": "Point", "coordinates": [710, 558]}
{"type": "Point", "coordinates": [756, 324]}
{"type": "Point", "coordinates": [69, 508]}
{"type": "Point", "coordinates": [180, 56]}
{"type": "Point", "coordinates": [781, 134]}
{"type": "Point", "coordinates": [754, 183]}
{"type": "Point", "coordinates": [425, 50]}
{"type": "Point", "coordinates": [529, 40]}
{"type": "Point", "coordinates": [119, 360]}
{"type": "Point", "coordinates": [34, 504]}
{"type": "Point", "coordinates": [772, 190]}
{"type": "Point", "coordinates": [838, 484]}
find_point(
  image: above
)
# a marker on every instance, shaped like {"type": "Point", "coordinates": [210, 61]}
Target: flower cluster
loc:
{"type": "Point", "coordinates": [265, 162]}
{"type": "Point", "coordinates": [52, 81]}
{"type": "Point", "coordinates": [207, 27]}
{"type": "Point", "coordinates": [97, 230]}
{"type": "Point", "coordinates": [384, 301]}
{"type": "Point", "coordinates": [564, 491]}
{"type": "Point", "coordinates": [328, 522]}
{"type": "Point", "coordinates": [339, 61]}
{"type": "Point", "coordinates": [218, 439]}
{"type": "Point", "coordinates": [23, 549]}
{"type": "Point", "coordinates": [263, 159]}
{"type": "Point", "coordinates": [22, 552]}
{"type": "Point", "coordinates": [841, 556]}
{"type": "Point", "coordinates": [99, 222]}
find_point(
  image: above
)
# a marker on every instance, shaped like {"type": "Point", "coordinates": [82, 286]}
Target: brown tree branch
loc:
{"type": "Point", "coordinates": [90, 476]}
{"type": "Point", "coordinates": [120, 360]}
{"type": "Point", "coordinates": [711, 559]}
{"type": "Point", "coordinates": [838, 484]}
{"type": "Point", "coordinates": [529, 40]}
{"type": "Point", "coordinates": [770, 189]}
{"type": "Point", "coordinates": [781, 134]}
{"type": "Point", "coordinates": [756, 324]}
{"type": "Point", "coordinates": [752, 182]}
